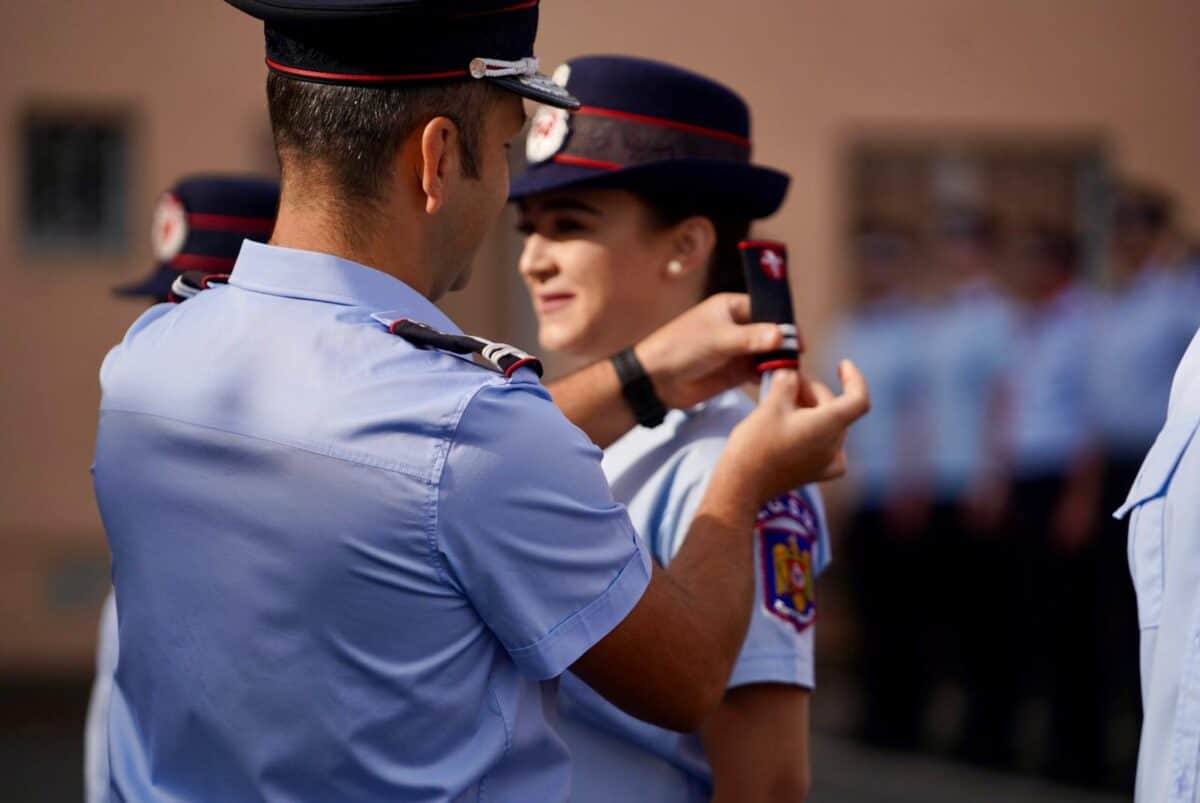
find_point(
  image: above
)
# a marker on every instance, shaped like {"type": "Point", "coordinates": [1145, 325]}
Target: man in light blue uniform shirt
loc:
{"type": "Point", "coordinates": [1163, 510]}
{"type": "Point", "coordinates": [352, 547]}
{"type": "Point", "coordinates": [627, 759]}
{"type": "Point", "coordinates": [198, 225]}
{"type": "Point", "coordinates": [1054, 503]}
{"type": "Point", "coordinates": [888, 454]}
{"type": "Point", "coordinates": [968, 343]}
{"type": "Point", "coordinates": [356, 498]}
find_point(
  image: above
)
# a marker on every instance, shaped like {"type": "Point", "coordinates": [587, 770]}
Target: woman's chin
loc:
{"type": "Point", "coordinates": [564, 340]}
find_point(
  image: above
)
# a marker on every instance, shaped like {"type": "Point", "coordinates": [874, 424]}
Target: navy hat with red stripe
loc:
{"type": "Point", "coordinates": [200, 224]}
{"type": "Point", "coordinates": [645, 125]}
{"type": "Point", "coordinates": [406, 43]}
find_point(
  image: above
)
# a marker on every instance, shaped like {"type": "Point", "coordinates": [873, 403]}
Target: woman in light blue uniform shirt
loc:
{"type": "Point", "coordinates": [632, 210]}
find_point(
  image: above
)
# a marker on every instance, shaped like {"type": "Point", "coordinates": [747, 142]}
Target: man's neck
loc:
{"type": "Point", "coordinates": [386, 242]}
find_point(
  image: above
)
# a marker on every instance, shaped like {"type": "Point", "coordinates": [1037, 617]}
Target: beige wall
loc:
{"type": "Point", "coordinates": [814, 72]}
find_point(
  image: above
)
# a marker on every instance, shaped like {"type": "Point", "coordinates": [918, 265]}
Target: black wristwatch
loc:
{"type": "Point", "coordinates": [637, 389]}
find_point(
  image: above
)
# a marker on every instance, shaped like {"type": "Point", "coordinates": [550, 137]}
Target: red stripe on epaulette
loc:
{"type": "Point", "coordinates": [219, 278]}
{"type": "Point", "coordinates": [512, 369]}
{"type": "Point", "coordinates": [772, 365]}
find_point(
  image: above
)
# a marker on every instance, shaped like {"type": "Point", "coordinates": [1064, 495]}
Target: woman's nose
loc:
{"type": "Point", "coordinates": [535, 263]}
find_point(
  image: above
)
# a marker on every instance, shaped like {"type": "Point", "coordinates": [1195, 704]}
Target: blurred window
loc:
{"type": "Point", "coordinates": [75, 183]}
{"type": "Point", "coordinates": [1022, 181]}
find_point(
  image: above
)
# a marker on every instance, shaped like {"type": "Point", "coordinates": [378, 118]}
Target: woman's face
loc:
{"type": "Point", "coordinates": [597, 271]}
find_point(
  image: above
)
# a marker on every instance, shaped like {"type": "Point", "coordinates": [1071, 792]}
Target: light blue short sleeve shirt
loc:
{"type": "Point", "coordinates": [1050, 404]}
{"type": "Point", "coordinates": [1142, 331]}
{"type": "Point", "coordinates": [968, 344]}
{"type": "Point", "coordinates": [1164, 559]}
{"type": "Point", "coordinates": [884, 341]}
{"type": "Point", "coordinates": [661, 475]}
{"type": "Point", "coordinates": [346, 568]}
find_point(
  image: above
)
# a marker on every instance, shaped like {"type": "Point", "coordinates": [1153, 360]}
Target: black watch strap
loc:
{"type": "Point", "coordinates": [637, 389]}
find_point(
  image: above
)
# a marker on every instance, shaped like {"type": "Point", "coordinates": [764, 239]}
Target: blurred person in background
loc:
{"type": "Point", "coordinates": [967, 335]}
{"type": "Point", "coordinates": [887, 548]}
{"type": "Point", "coordinates": [1145, 319]}
{"type": "Point", "coordinates": [632, 211]}
{"type": "Point", "coordinates": [1054, 501]}
{"type": "Point", "coordinates": [198, 225]}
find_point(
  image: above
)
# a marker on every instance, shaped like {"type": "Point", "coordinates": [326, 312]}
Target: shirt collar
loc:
{"type": "Point", "coordinates": [313, 276]}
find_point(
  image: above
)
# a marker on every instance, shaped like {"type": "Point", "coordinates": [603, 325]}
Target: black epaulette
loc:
{"type": "Point", "coordinates": [188, 284]}
{"type": "Point", "coordinates": [499, 357]}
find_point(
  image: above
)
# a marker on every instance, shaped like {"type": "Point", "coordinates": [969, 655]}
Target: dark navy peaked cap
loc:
{"type": "Point", "coordinates": [645, 125]}
{"type": "Point", "coordinates": [406, 42]}
{"type": "Point", "coordinates": [200, 223]}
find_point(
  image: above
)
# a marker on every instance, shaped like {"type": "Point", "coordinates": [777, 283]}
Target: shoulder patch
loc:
{"type": "Point", "coordinates": [786, 531]}
{"type": "Point", "coordinates": [499, 357]}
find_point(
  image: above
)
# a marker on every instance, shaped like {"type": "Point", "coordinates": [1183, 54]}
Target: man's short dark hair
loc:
{"type": "Point", "coordinates": [351, 133]}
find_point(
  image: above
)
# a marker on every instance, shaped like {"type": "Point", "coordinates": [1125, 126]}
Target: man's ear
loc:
{"type": "Point", "coordinates": [440, 164]}
{"type": "Point", "coordinates": [693, 241]}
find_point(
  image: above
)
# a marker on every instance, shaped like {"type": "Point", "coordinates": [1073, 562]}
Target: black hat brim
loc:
{"type": "Point", "coordinates": [747, 189]}
{"type": "Point", "coordinates": [157, 285]}
{"type": "Point", "coordinates": [539, 88]}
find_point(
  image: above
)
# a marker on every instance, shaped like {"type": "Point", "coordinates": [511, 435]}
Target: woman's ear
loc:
{"type": "Point", "coordinates": [693, 241]}
{"type": "Point", "coordinates": [440, 167]}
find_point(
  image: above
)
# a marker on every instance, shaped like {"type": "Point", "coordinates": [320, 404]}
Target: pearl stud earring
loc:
{"type": "Point", "coordinates": [674, 267]}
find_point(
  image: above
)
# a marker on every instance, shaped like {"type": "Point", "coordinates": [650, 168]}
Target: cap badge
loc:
{"type": "Point", "coordinates": [562, 74]}
{"type": "Point", "coordinates": [169, 229]}
{"type": "Point", "coordinates": [547, 132]}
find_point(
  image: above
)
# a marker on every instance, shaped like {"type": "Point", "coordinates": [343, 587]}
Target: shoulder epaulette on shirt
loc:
{"type": "Point", "coordinates": [192, 282]}
{"type": "Point", "coordinates": [499, 357]}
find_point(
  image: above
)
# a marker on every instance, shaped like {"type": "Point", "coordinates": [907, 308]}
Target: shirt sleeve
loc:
{"type": "Point", "coordinates": [529, 532]}
{"type": "Point", "coordinates": [779, 642]}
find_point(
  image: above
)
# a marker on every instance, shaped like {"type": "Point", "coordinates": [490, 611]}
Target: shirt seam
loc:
{"type": "Point", "coordinates": [435, 482]}
{"type": "Point", "coordinates": [600, 599]}
{"type": "Point", "coordinates": [321, 450]}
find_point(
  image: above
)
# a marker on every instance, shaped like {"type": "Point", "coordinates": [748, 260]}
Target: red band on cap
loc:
{"type": "Point", "coordinates": [567, 159]}
{"type": "Point", "coordinates": [505, 10]}
{"type": "Point", "coordinates": [257, 225]}
{"type": "Point", "coordinates": [364, 79]}
{"type": "Point", "coordinates": [198, 262]}
{"type": "Point", "coordinates": [726, 136]}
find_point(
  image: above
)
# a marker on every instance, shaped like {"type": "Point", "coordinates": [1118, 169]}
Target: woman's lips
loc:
{"type": "Point", "coordinates": [552, 302]}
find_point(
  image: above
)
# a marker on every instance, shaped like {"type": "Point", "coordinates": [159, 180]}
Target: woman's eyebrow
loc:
{"type": "Point", "coordinates": [569, 205]}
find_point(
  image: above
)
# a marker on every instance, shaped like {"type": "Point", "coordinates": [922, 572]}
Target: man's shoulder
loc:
{"type": "Point", "coordinates": [326, 379]}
